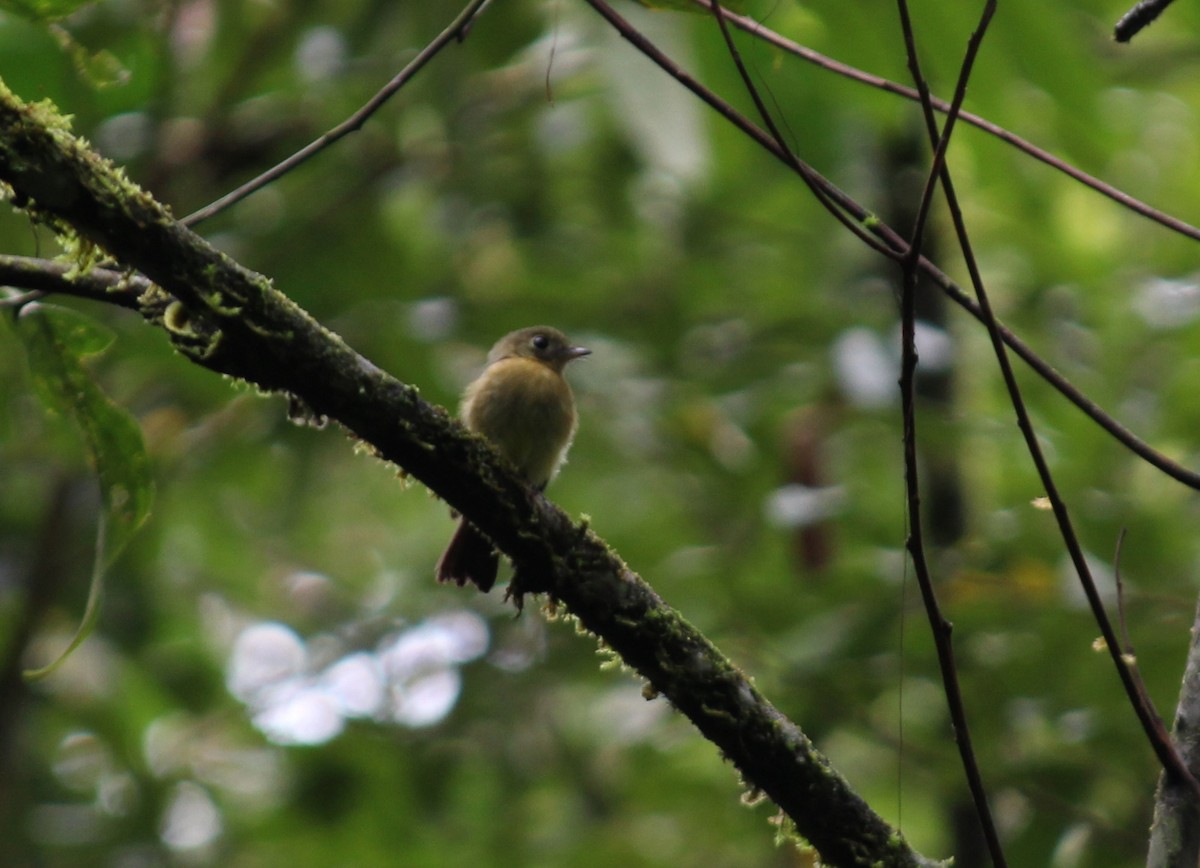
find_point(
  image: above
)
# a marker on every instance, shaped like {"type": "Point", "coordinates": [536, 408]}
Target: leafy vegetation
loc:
{"type": "Point", "coordinates": [275, 678]}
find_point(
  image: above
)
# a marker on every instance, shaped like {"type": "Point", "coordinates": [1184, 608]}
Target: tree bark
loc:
{"type": "Point", "coordinates": [232, 320]}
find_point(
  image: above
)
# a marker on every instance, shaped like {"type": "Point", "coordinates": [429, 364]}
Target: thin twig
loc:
{"type": "Point", "coordinates": [1067, 389]}
{"type": "Point", "coordinates": [842, 207]}
{"type": "Point", "coordinates": [940, 627]}
{"type": "Point", "coordinates": [1152, 724]}
{"type": "Point", "coordinates": [789, 157]}
{"type": "Point", "coordinates": [1126, 642]}
{"type": "Point", "coordinates": [455, 31]}
{"type": "Point", "coordinates": [44, 277]}
{"type": "Point", "coordinates": [837, 67]}
{"type": "Point", "coordinates": [1129, 656]}
{"type": "Point", "coordinates": [894, 247]}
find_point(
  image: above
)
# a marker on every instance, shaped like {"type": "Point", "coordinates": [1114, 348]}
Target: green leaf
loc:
{"type": "Point", "coordinates": [55, 340]}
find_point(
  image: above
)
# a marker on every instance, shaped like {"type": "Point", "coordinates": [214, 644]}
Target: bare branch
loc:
{"type": "Point", "coordinates": [939, 626]}
{"type": "Point", "coordinates": [848, 212]}
{"type": "Point", "coordinates": [1151, 722]}
{"type": "Point", "coordinates": [42, 277]}
{"type": "Point", "coordinates": [815, 57]}
{"type": "Point", "coordinates": [456, 30]}
{"type": "Point", "coordinates": [894, 247]}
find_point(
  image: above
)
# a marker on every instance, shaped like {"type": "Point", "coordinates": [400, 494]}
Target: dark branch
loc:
{"type": "Point", "coordinates": [1143, 707]}
{"type": "Point", "coordinates": [43, 276]}
{"type": "Point", "coordinates": [456, 30]}
{"type": "Point", "coordinates": [229, 319]}
{"type": "Point", "coordinates": [845, 70]}
{"type": "Point", "coordinates": [1137, 19]}
{"type": "Point", "coordinates": [940, 627]}
{"type": "Point", "coordinates": [894, 246]}
{"type": "Point", "coordinates": [847, 212]}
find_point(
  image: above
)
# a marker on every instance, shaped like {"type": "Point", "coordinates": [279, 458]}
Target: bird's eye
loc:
{"type": "Point", "coordinates": [540, 342]}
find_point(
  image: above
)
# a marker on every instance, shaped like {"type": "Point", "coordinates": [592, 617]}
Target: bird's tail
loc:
{"type": "Point", "coordinates": [469, 557]}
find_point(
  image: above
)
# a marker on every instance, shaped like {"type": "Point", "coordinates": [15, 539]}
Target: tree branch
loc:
{"type": "Point", "coordinates": [43, 276]}
{"type": "Point", "coordinates": [794, 48]}
{"type": "Point", "coordinates": [1175, 832]}
{"type": "Point", "coordinates": [455, 30]}
{"type": "Point", "coordinates": [940, 627]}
{"type": "Point", "coordinates": [1138, 18]}
{"type": "Point", "coordinates": [1131, 681]}
{"type": "Point", "coordinates": [891, 244]}
{"type": "Point", "coordinates": [229, 319]}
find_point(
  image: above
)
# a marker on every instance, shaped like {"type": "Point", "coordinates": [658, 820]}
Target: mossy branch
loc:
{"type": "Point", "coordinates": [231, 320]}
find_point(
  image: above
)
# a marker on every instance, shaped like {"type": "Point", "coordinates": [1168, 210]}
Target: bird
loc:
{"type": "Point", "coordinates": [523, 405]}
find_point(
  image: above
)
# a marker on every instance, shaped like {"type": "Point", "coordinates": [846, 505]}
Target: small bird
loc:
{"type": "Point", "coordinates": [524, 406]}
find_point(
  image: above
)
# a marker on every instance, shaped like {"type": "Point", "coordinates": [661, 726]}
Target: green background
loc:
{"type": "Point", "coordinates": [541, 171]}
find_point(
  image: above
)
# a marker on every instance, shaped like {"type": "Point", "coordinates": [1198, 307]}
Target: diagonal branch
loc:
{"type": "Point", "coordinates": [229, 319]}
{"type": "Point", "coordinates": [456, 30]}
{"type": "Point", "coordinates": [894, 246]}
{"type": "Point", "coordinates": [1131, 680]}
{"type": "Point", "coordinates": [792, 47]}
{"type": "Point", "coordinates": [1137, 19]}
{"type": "Point", "coordinates": [898, 248]}
{"type": "Point", "coordinates": [844, 209]}
{"type": "Point", "coordinates": [798, 166]}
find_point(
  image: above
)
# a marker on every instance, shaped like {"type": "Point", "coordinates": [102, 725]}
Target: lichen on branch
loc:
{"type": "Point", "coordinates": [232, 320]}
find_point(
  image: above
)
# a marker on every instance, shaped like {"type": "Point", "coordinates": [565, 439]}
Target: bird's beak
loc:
{"type": "Point", "coordinates": [573, 353]}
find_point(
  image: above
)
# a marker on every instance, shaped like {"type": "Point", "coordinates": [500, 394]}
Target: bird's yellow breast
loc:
{"type": "Point", "coordinates": [525, 408]}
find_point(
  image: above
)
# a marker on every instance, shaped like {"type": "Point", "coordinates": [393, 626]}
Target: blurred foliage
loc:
{"type": "Point", "coordinates": [275, 678]}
